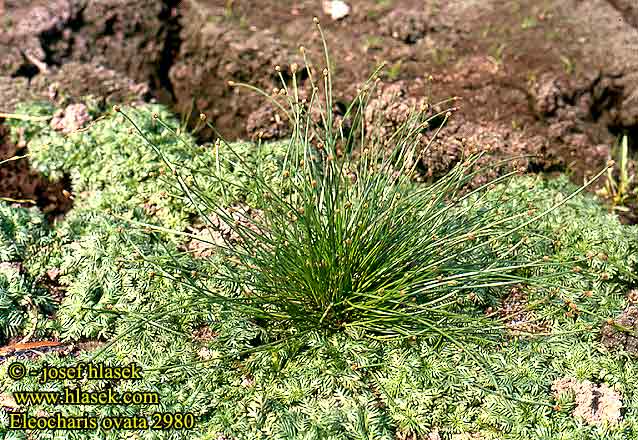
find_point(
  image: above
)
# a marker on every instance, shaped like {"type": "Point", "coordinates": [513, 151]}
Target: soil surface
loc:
{"type": "Point", "coordinates": [22, 185]}
{"type": "Point", "coordinates": [557, 79]}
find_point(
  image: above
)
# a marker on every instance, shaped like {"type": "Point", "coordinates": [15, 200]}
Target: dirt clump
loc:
{"type": "Point", "coordinates": [35, 30]}
{"type": "Point", "coordinates": [622, 333]}
{"type": "Point", "coordinates": [440, 150]}
{"type": "Point", "coordinates": [595, 404]}
{"type": "Point", "coordinates": [69, 84]}
{"type": "Point", "coordinates": [408, 26]}
{"type": "Point", "coordinates": [132, 37]}
{"type": "Point", "coordinates": [216, 48]}
{"type": "Point", "coordinates": [71, 118]}
{"type": "Point", "coordinates": [24, 186]}
{"type": "Point", "coordinates": [628, 9]}
{"type": "Point", "coordinates": [267, 123]}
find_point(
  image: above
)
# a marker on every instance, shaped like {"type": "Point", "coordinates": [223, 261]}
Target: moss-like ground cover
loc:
{"type": "Point", "coordinates": [200, 357]}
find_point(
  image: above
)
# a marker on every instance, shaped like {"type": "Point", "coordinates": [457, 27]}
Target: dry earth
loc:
{"type": "Point", "coordinates": [557, 79]}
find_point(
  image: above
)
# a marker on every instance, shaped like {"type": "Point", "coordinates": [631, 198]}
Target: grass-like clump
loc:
{"type": "Point", "coordinates": [344, 240]}
{"type": "Point", "coordinates": [337, 297]}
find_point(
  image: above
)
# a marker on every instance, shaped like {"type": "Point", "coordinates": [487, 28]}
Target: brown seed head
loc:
{"type": "Point", "coordinates": [573, 306]}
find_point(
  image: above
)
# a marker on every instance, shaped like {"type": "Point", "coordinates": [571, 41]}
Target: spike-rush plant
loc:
{"type": "Point", "coordinates": [342, 238]}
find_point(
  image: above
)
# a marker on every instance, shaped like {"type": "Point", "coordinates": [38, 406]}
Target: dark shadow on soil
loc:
{"type": "Point", "coordinates": [19, 182]}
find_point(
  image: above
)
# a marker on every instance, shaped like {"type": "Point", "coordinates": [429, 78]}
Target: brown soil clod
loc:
{"type": "Point", "coordinates": [628, 9]}
{"type": "Point", "coordinates": [621, 333]}
{"type": "Point", "coordinates": [22, 185]}
{"type": "Point", "coordinates": [72, 118]}
{"type": "Point", "coordinates": [408, 26]}
{"type": "Point", "coordinates": [595, 404]}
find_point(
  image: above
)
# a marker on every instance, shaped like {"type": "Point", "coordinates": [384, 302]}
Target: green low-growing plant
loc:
{"type": "Point", "coordinates": [336, 386]}
{"type": "Point", "coordinates": [327, 236]}
{"type": "Point", "coordinates": [20, 229]}
{"type": "Point", "coordinates": [23, 304]}
{"type": "Point", "coordinates": [340, 387]}
{"type": "Point", "coordinates": [114, 179]}
{"type": "Point", "coordinates": [348, 242]}
{"type": "Point", "coordinates": [619, 187]}
{"type": "Point", "coordinates": [21, 300]}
